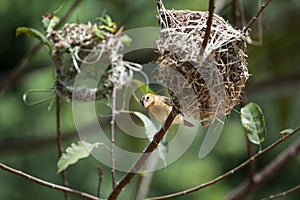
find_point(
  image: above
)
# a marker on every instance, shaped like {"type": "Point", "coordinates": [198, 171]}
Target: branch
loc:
{"type": "Point", "coordinates": [68, 13]}
{"type": "Point", "coordinates": [234, 12]}
{"type": "Point", "coordinates": [146, 153]}
{"type": "Point", "coordinates": [252, 165]}
{"type": "Point", "coordinates": [100, 174]}
{"type": "Point", "coordinates": [229, 173]}
{"type": "Point", "coordinates": [47, 184]}
{"type": "Point", "coordinates": [263, 6]}
{"type": "Point", "coordinates": [59, 146]}
{"type": "Point", "coordinates": [266, 173]}
{"type": "Point", "coordinates": [208, 25]}
{"type": "Point", "coordinates": [294, 189]}
{"type": "Point", "coordinates": [112, 136]}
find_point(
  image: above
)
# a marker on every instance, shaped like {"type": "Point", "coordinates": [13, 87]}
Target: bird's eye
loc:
{"type": "Point", "coordinates": [148, 98]}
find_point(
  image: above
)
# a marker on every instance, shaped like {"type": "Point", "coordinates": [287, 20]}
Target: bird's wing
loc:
{"type": "Point", "coordinates": [166, 100]}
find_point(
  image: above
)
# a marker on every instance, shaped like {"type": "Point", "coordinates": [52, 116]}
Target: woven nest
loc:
{"type": "Point", "coordinates": [206, 82]}
{"type": "Point", "coordinates": [77, 45]}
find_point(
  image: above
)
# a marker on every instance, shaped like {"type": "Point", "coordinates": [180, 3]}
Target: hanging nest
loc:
{"type": "Point", "coordinates": [206, 82]}
{"type": "Point", "coordinates": [76, 46]}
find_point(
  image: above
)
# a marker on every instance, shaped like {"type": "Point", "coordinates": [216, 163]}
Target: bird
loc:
{"type": "Point", "coordinates": [160, 107]}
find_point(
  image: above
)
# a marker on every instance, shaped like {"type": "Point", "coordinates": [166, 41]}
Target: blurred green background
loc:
{"type": "Point", "coordinates": [27, 133]}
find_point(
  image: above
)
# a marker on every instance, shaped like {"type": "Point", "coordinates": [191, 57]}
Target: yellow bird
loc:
{"type": "Point", "coordinates": [160, 107]}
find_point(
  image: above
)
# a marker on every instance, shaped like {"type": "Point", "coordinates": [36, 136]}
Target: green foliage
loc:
{"type": "Point", "coordinates": [49, 22]}
{"type": "Point", "coordinates": [287, 131]}
{"type": "Point", "coordinates": [74, 153]}
{"type": "Point", "coordinates": [30, 32]}
{"type": "Point", "coordinates": [254, 123]}
{"type": "Point", "coordinates": [98, 32]}
{"type": "Point", "coordinates": [143, 87]}
{"type": "Point", "coordinates": [107, 23]}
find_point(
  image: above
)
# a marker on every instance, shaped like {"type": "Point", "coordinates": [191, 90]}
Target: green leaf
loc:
{"type": "Point", "coordinates": [98, 32]}
{"type": "Point", "coordinates": [46, 21]}
{"type": "Point", "coordinates": [49, 22]}
{"type": "Point", "coordinates": [253, 122]}
{"type": "Point", "coordinates": [287, 131]}
{"type": "Point", "coordinates": [106, 20]}
{"type": "Point", "coordinates": [73, 154]}
{"type": "Point", "coordinates": [150, 130]}
{"type": "Point", "coordinates": [52, 23]}
{"type": "Point", "coordinates": [143, 87]}
{"type": "Point", "coordinates": [33, 33]}
{"type": "Point", "coordinates": [58, 9]}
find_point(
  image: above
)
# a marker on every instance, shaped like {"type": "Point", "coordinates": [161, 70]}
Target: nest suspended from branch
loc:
{"type": "Point", "coordinates": [76, 46]}
{"type": "Point", "coordinates": [204, 83]}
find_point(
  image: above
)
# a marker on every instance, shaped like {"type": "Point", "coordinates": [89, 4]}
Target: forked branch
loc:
{"type": "Point", "coordinates": [146, 153]}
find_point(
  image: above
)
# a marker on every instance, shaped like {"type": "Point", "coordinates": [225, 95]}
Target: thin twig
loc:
{"type": "Point", "coordinates": [68, 13]}
{"type": "Point", "coordinates": [208, 25]}
{"type": "Point", "coordinates": [243, 16]}
{"type": "Point", "coordinates": [252, 167]}
{"type": "Point", "coordinates": [48, 184]}
{"type": "Point", "coordinates": [263, 6]}
{"type": "Point", "coordinates": [100, 174]}
{"type": "Point", "coordinates": [146, 153]}
{"type": "Point", "coordinates": [16, 72]}
{"type": "Point", "coordinates": [229, 173]}
{"type": "Point", "coordinates": [234, 12]}
{"type": "Point", "coordinates": [269, 171]}
{"type": "Point", "coordinates": [274, 196]}
{"type": "Point", "coordinates": [112, 136]}
{"type": "Point", "coordinates": [59, 145]}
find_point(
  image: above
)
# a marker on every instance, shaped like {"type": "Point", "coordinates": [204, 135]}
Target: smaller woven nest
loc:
{"type": "Point", "coordinates": [77, 45]}
{"type": "Point", "coordinates": [206, 83]}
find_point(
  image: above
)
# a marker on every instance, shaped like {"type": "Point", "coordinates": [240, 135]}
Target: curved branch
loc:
{"type": "Point", "coordinates": [229, 173]}
{"type": "Point", "coordinates": [48, 184]}
{"type": "Point", "coordinates": [294, 189]}
{"type": "Point", "coordinates": [266, 173]}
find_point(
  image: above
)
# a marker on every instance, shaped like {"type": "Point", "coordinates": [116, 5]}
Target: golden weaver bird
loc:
{"type": "Point", "coordinates": [160, 107]}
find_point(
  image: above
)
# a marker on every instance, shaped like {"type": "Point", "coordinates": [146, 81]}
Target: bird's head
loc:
{"type": "Point", "coordinates": [148, 100]}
